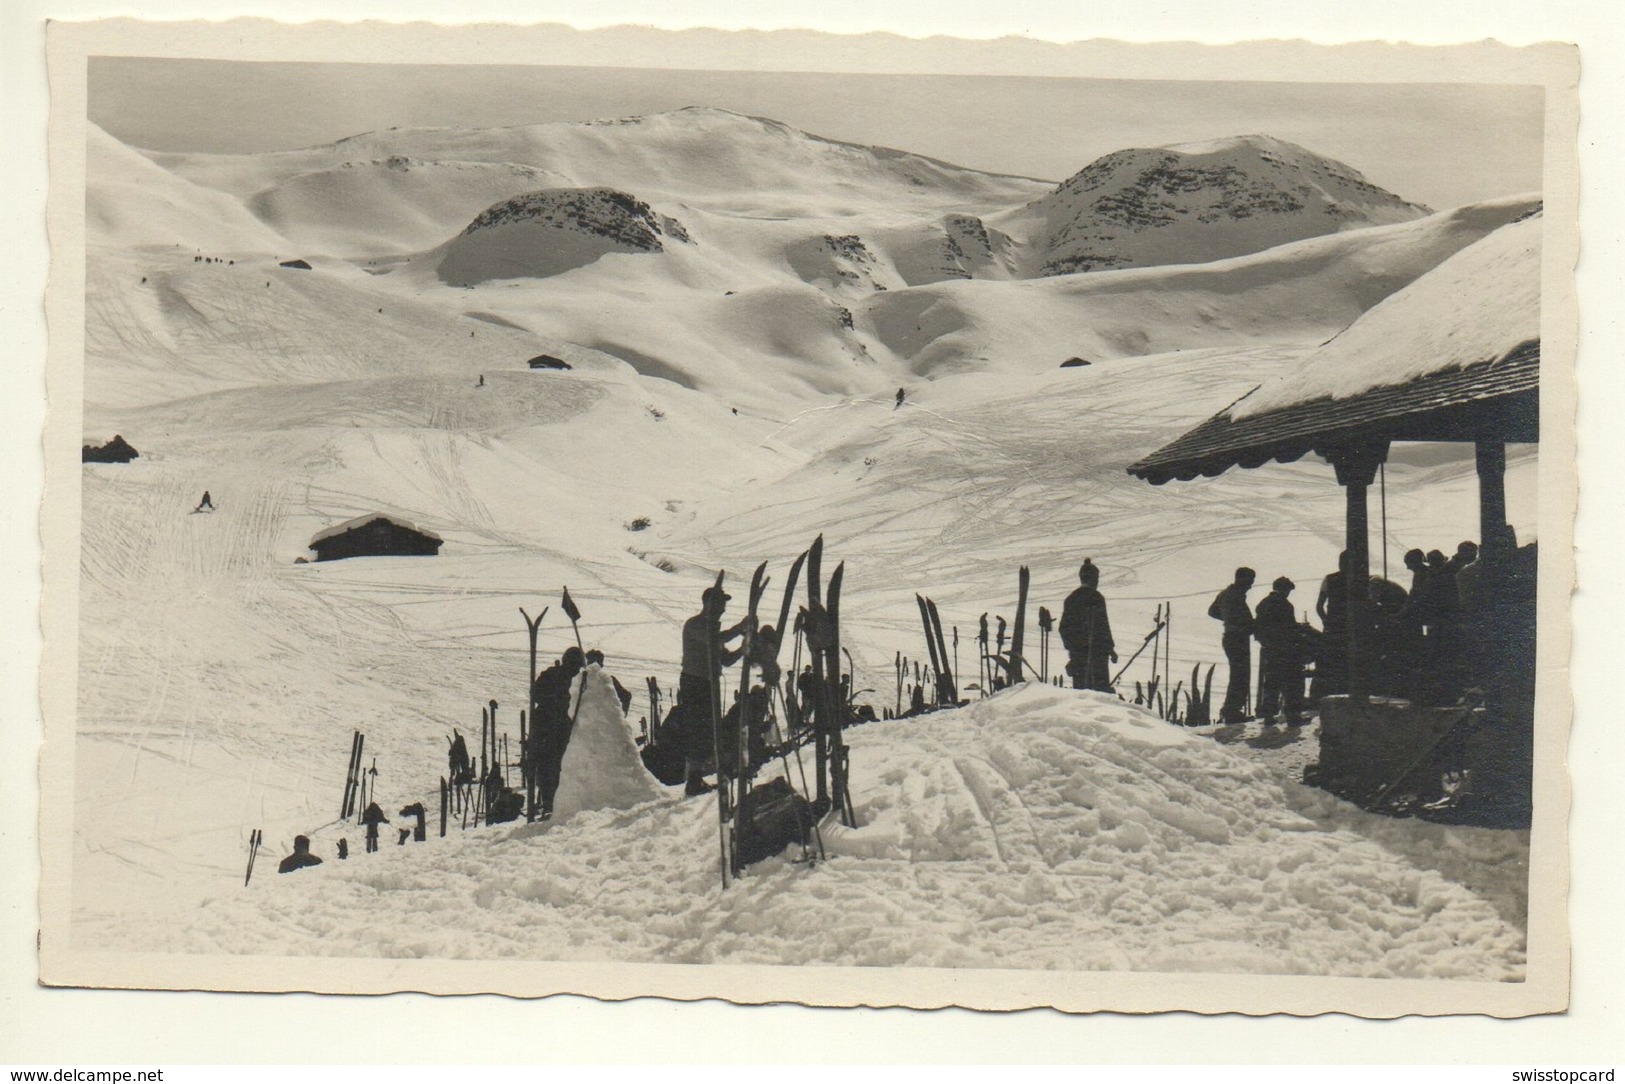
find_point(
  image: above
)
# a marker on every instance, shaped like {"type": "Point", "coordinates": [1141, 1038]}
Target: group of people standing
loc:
{"type": "Point", "coordinates": [1428, 644]}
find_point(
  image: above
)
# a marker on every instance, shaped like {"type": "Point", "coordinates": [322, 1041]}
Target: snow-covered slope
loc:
{"type": "Point", "coordinates": [132, 203]}
{"type": "Point", "coordinates": [1195, 202]}
{"type": "Point", "coordinates": [733, 164]}
{"type": "Point", "coordinates": [387, 206]}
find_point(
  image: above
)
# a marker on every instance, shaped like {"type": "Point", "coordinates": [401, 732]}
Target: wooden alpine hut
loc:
{"type": "Point", "coordinates": [375, 535]}
{"type": "Point", "coordinates": [1454, 356]}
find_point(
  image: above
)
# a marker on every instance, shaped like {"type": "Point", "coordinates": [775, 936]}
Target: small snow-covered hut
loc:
{"type": "Point", "coordinates": [547, 361]}
{"type": "Point", "coordinates": [1454, 356]}
{"type": "Point", "coordinates": [117, 450]}
{"type": "Point", "coordinates": [375, 535]}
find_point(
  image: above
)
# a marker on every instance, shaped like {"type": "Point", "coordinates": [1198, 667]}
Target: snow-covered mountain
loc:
{"type": "Point", "coordinates": [1196, 202]}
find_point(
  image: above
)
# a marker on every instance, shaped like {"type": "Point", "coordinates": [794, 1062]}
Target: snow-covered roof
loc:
{"type": "Point", "coordinates": [362, 521]}
{"type": "Point", "coordinates": [1462, 339]}
{"type": "Point", "coordinates": [1478, 306]}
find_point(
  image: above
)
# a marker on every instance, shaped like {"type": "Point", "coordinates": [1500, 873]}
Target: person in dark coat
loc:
{"type": "Point", "coordinates": [1331, 606]}
{"type": "Point", "coordinates": [1280, 657]}
{"type": "Point", "coordinates": [1231, 607]}
{"type": "Point", "coordinates": [704, 655]}
{"type": "Point", "coordinates": [550, 723]}
{"type": "Point", "coordinates": [372, 817]}
{"type": "Point", "coordinates": [300, 858]}
{"type": "Point", "coordinates": [458, 762]}
{"type": "Point", "coordinates": [1086, 633]}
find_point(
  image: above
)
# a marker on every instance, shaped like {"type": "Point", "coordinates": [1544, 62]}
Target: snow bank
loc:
{"type": "Point", "coordinates": [1042, 828]}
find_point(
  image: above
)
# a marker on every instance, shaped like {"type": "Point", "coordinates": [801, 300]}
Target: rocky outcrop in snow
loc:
{"type": "Point", "coordinates": [552, 231]}
{"type": "Point", "coordinates": [1193, 203]}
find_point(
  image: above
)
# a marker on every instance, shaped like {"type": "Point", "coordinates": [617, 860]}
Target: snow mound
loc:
{"type": "Point", "coordinates": [1477, 306]}
{"type": "Point", "coordinates": [1197, 202]}
{"type": "Point", "coordinates": [552, 231]}
{"type": "Point", "coordinates": [601, 768]}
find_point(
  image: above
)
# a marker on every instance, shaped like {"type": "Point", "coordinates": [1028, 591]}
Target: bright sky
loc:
{"type": "Point", "coordinates": [1438, 144]}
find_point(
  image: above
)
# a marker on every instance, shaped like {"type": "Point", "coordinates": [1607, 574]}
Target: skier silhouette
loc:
{"type": "Point", "coordinates": [899, 399]}
{"type": "Point", "coordinates": [205, 505]}
{"type": "Point", "coordinates": [481, 384]}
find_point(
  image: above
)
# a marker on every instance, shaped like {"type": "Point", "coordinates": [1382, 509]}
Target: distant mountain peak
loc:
{"type": "Point", "coordinates": [1198, 202]}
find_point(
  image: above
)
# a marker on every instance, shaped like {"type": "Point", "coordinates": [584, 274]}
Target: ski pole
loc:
{"type": "Point", "coordinates": [254, 838]}
{"type": "Point", "coordinates": [1148, 638]}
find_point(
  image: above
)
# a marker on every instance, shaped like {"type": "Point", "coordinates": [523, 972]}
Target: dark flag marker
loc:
{"type": "Point", "coordinates": [574, 615]}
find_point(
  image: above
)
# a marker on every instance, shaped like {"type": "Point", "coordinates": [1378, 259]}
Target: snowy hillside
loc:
{"type": "Point", "coordinates": [1195, 202]}
{"type": "Point", "coordinates": [738, 303]}
{"type": "Point", "coordinates": [729, 163]}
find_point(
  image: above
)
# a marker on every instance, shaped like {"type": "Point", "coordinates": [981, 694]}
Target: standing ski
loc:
{"type": "Point", "coordinates": [714, 673]}
{"type": "Point", "coordinates": [945, 678]}
{"type": "Point", "coordinates": [1013, 675]}
{"type": "Point", "coordinates": [744, 709]}
{"type": "Point", "coordinates": [930, 643]}
{"type": "Point", "coordinates": [835, 700]}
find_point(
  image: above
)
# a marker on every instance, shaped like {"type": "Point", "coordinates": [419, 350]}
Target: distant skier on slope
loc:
{"type": "Point", "coordinates": [205, 505]}
{"type": "Point", "coordinates": [550, 723]}
{"type": "Point", "coordinates": [1086, 633]}
{"type": "Point", "coordinates": [899, 399]}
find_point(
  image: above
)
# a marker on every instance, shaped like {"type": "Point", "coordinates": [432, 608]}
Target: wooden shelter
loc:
{"type": "Point", "coordinates": [374, 535]}
{"type": "Point", "coordinates": [1454, 356]}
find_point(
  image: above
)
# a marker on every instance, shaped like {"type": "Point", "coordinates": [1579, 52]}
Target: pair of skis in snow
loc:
{"type": "Point", "coordinates": [818, 624]}
{"type": "Point", "coordinates": [353, 776]}
{"type": "Point", "coordinates": [946, 689]}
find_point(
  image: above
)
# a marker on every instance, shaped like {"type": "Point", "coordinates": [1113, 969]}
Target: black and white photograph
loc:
{"type": "Point", "coordinates": [853, 537]}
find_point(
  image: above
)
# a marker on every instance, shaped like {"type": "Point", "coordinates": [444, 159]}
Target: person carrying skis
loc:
{"type": "Point", "coordinates": [1086, 633]}
{"type": "Point", "coordinates": [550, 723]}
{"type": "Point", "coordinates": [372, 817]}
{"type": "Point", "coordinates": [1280, 660]}
{"type": "Point", "coordinates": [1230, 606]}
{"type": "Point", "coordinates": [300, 858]}
{"type": "Point", "coordinates": [458, 762]}
{"type": "Point", "coordinates": [704, 655]}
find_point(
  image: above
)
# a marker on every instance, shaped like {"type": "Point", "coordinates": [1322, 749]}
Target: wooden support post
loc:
{"type": "Point", "coordinates": [1356, 467]}
{"type": "Point", "coordinates": [1491, 457]}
